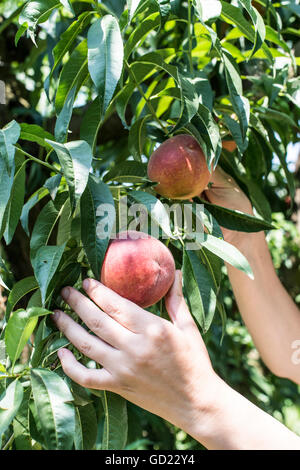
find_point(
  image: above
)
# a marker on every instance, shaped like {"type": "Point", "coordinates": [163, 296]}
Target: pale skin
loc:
{"type": "Point", "coordinates": [164, 367]}
{"type": "Point", "coordinates": [269, 313]}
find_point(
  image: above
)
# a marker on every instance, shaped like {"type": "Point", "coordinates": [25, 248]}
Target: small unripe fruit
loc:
{"type": "Point", "coordinates": [180, 168]}
{"type": "Point", "coordinates": [138, 267]}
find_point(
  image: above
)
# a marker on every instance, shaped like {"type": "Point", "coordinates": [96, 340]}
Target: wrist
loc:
{"type": "Point", "coordinates": [203, 411]}
{"type": "Point", "coordinates": [253, 246]}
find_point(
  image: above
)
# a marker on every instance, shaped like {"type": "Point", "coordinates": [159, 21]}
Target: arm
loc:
{"type": "Point", "coordinates": [163, 367]}
{"type": "Point", "coordinates": [269, 313]}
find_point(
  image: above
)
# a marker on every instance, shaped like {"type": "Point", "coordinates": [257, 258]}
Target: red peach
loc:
{"type": "Point", "coordinates": [180, 168]}
{"type": "Point", "coordinates": [138, 267]}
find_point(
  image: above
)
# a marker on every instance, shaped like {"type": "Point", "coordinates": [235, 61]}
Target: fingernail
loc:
{"type": "Point", "coordinates": [60, 353]}
{"type": "Point", "coordinates": [86, 284]}
{"type": "Point", "coordinates": [65, 293]}
{"type": "Point", "coordinates": [55, 315]}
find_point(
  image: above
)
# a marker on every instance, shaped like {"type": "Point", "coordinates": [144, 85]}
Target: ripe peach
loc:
{"type": "Point", "coordinates": [138, 267]}
{"type": "Point", "coordinates": [180, 168]}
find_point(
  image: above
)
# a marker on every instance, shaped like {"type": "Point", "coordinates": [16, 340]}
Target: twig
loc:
{"type": "Point", "coordinates": [41, 162]}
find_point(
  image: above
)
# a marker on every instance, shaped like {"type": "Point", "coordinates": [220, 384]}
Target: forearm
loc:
{"type": "Point", "coordinates": [239, 425]}
{"type": "Point", "coordinates": [269, 313]}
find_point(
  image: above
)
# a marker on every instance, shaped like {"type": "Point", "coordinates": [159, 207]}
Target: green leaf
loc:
{"type": "Point", "coordinates": [189, 100]}
{"type": "Point", "coordinates": [258, 23]}
{"type": "Point", "coordinates": [35, 12]}
{"type": "Point", "coordinates": [97, 221]}
{"type": "Point", "coordinates": [35, 133]}
{"type": "Point", "coordinates": [19, 328]}
{"type": "Point", "coordinates": [235, 220]}
{"type": "Point", "coordinates": [276, 38]}
{"type": "Point", "coordinates": [32, 201]}
{"type": "Point", "coordinates": [9, 136]}
{"type": "Point", "coordinates": [22, 438]}
{"type": "Point", "coordinates": [234, 15]}
{"type": "Point", "coordinates": [140, 33]}
{"type": "Point", "coordinates": [122, 98]}
{"type": "Point", "coordinates": [64, 118]}
{"type": "Point", "coordinates": [66, 225]}
{"type": "Point", "coordinates": [35, 428]}
{"type": "Point", "coordinates": [279, 150]}
{"type": "Point", "coordinates": [68, 276]}
{"type": "Point", "coordinates": [273, 114]}
{"type": "Point", "coordinates": [116, 421]}
{"type": "Point", "coordinates": [45, 264]}
{"type": "Point", "coordinates": [52, 184]}
{"type": "Point", "coordinates": [73, 74]}
{"type": "Point", "coordinates": [85, 427]}
{"type": "Point", "coordinates": [137, 137]}
{"type": "Point", "coordinates": [200, 289]}
{"type": "Point", "coordinates": [19, 290]}
{"type": "Point", "coordinates": [6, 183]}
{"type": "Point", "coordinates": [155, 209]}
{"type": "Point", "coordinates": [105, 58]}
{"type": "Point", "coordinates": [236, 133]}
{"type": "Point", "coordinates": [210, 133]}
{"type": "Point", "coordinates": [140, 70]}
{"type": "Point", "coordinates": [132, 7]}
{"type": "Point", "coordinates": [76, 159]}
{"type": "Point", "coordinates": [46, 222]}
{"type": "Point", "coordinates": [54, 407]}
{"type": "Point", "coordinates": [68, 5]}
{"type": "Point", "coordinates": [35, 300]}
{"type": "Point", "coordinates": [10, 402]}
{"type": "Point", "coordinates": [259, 199]}
{"type": "Point", "coordinates": [207, 9]}
{"type": "Point", "coordinates": [227, 252]}
{"type": "Point", "coordinates": [41, 338]}
{"type": "Point", "coordinates": [233, 79]}
{"type": "Point", "coordinates": [53, 345]}
{"type": "Point", "coordinates": [66, 41]}
{"type": "Point", "coordinates": [128, 171]}
{"type": "Point", "coordinates": [20, 33]}
{"type": "Point", "coordinates": [15, 205]}
{"type": "Point", "coordinates": [91, 123]}
{"type": "Point", "coordinates": [169, 7]}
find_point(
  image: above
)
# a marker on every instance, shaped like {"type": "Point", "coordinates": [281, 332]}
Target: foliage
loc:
{"type": "Point", "coordinates": [96, 86]}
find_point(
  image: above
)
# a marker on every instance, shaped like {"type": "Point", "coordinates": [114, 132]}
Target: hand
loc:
{"type": "Point", "coordinates": [163, 367]}
{"type": "Point", "coordinates": [225, 192]}
{"type": "Point", "coordinates": [159, 365]}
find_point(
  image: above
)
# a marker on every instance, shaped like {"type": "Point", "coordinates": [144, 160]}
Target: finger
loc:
{"type": "Point", "coordinates": [100, 379]}
{"type": "Point", "coordinates": [96, 320]}
{"type": "Point", "coordinates": [124, 311]}
{"type": "Point", "coordinates": [221, 179]}
{"type": "Point", "coordinates": [177, 307]}
{"type": "Point", "coordinates": [87, 344]}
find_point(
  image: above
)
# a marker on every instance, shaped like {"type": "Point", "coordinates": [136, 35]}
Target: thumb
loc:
{"type": "Point", "coordinates": [177, 307]}
{"type": "Point", "coordinates": [180, 313]}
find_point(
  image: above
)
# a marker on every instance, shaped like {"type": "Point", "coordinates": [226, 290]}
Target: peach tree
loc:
{"type": "Point", "coordinates": [92, 89]}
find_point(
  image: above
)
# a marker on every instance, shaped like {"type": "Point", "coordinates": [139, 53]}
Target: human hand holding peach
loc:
{"type": "Point", "coordinates": [159, 365]}
{"type": "Point", "coordinates": [163, 367]}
